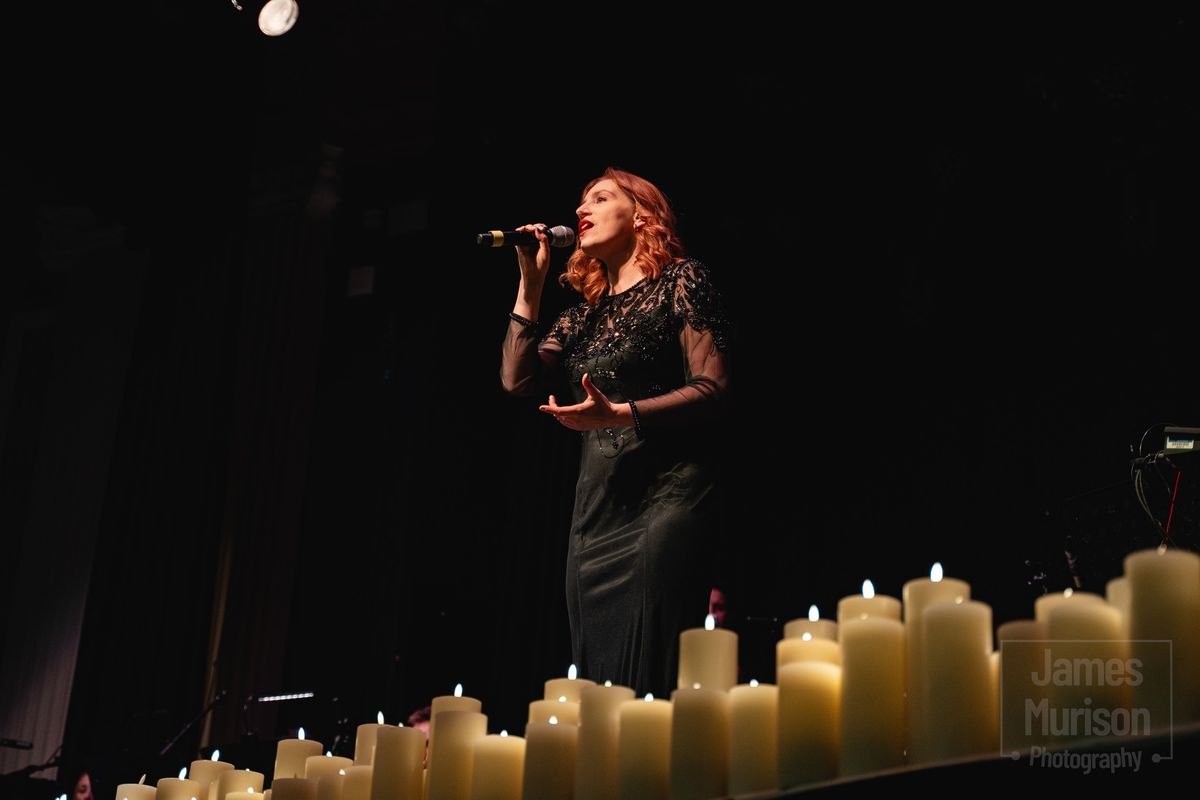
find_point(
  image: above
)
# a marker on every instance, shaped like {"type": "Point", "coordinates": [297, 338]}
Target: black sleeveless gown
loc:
{"type": "Point", "coordinates": [646, 507]}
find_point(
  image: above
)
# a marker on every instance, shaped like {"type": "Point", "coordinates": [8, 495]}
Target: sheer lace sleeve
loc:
{"type": "Point", "coordinates": [704, 336]}
{"type": "Point", "coordinates": [527, 366]}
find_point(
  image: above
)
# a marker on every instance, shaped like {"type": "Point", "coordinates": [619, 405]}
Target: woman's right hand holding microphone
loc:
{"type": "Point", "coordinates": [535, 265]}
{"type": "Point", "coordinates": [534, 261]}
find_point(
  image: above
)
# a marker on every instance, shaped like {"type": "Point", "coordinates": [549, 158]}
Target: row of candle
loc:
{"type": "Point", "coordinates": [889, 683]}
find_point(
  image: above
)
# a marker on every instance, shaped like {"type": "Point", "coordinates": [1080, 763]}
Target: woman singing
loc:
{"type": "Point", "coordinates": [645, 360]}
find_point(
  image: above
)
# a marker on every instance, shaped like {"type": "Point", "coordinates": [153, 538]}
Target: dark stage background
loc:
{"type": "Point", "coordinates": [250, 407]}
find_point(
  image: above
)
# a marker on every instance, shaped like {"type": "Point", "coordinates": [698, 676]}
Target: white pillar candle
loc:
{"type": "Point", "coordinates": [1165, 604]}
{"type": "Point", "coordinates": [205, 772]}
{"type": "Point", "coordinates": [498, 768]}
{"type": "Point", "coordinates": [1022, 653]}
{"type": "Point", "coordinates": [290, 755]}
{"type": "Point", "coordinates": [132, 791]}
{"type": "Point", "coordinates": [700, 729]}
{"type": "Point", "coordinates": [317, 767]}
{"type": "Point", "coordinates": [810, 697]}
{"type": "Point", "coordinates": [1047, 602]}
{"type": "Point", "coordinates": [867, 604]}
{"type": "Point", "coordinates": [293, 789]}
{"type": "Point", "coordinates": [599, 727]}
{"type": "Point", "coordinates": [569, 687]}
{"type": "Point", "coordinates": [791, 651]}
{"type": "Point", "coordinates": [239, 780]}
{"type": "Point", "coordinates": [960, 707]}
{"type": "Point", "coordinates": [994, 663]}
{"type": "Point", "coordinates": [449, 702]}
{"type": "Point", "coordinates": [873, 712]}
{"type": "Point", "coordinates": [708, 656]}
{"type": "Point", "coordinates": [754, 738]}
{"type": "Point", "coordinates": [1116, 592]}
{"type": "Point", "coordinates": [566, 711]}
{"type": "Point", "coordinates": [364, 741]}
{"type": "Point", "coordinates": [1086, 668]}
{"type": "Point", "coordinates": [358, 783]}
{"type": "Point", "coordinates": [452, 752]}
{"type": "Point", "coordinates": [644, 749]}
{"type": "Point", "coordinates": [919, 594]}
{"type": "Point", "coordinates": [550, 754]}
{"type": "Point", "coordinates": [398, 770]}
{"type": "Point", "coordinates": [329, 787]}
{"type": "Point", "coordinates": [176, 789]}
{"type": "Point", "coordinates": [813, 625]}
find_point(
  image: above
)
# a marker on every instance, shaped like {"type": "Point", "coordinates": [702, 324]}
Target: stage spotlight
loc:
{"type": "Point", "coordinates": [277, 17]}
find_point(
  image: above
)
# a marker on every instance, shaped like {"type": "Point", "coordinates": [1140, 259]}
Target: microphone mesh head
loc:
{"type": "Point", "coordinates": [560, 236]}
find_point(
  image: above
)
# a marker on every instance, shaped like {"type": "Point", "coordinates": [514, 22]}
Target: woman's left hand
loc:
{"type": "Point", "coordinates": [597, 411]}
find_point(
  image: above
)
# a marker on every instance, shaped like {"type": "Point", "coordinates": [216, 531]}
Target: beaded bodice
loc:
{"type": "Point", "coordinates": [630, 343]}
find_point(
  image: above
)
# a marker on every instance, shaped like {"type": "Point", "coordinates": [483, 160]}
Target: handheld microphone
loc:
{"type": "Point", "coordinates": [558, 236]}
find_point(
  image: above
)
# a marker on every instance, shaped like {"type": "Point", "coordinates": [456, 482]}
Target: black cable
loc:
{"type": "Point", "coordinates": [1138, 465]}
{"type": "Point", "coordinates": [1135, 470]}
{"type": "Point", "coordinates": [1142, 443]}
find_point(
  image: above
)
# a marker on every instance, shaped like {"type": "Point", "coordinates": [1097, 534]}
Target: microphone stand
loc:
{"type": "Point", "coordinates": [204, 712]}
{"type": "Point", "coordinates": [29, 769]}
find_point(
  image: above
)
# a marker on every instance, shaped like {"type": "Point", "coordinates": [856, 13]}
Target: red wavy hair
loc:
{"type": "Point", "coordinates": [657, 242]}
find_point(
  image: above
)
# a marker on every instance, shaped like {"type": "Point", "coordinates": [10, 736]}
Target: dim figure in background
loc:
{"type": "Point", "coordinates": [419, 719]}
{"type": "Point", "coordinates": [717, 606]}
{"type": "Point", "coordinates": [79, 785]}
{"type": "Point", "coordinates": [642, 369]}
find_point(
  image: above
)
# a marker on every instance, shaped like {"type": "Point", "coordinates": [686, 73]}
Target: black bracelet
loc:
{"type": "Point", "coordinates": [637, 420]}
{"type": "Point", "coordinates": [528, 323]}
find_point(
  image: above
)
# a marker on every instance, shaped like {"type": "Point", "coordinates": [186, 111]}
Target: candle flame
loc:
{"type": "Point", "coordinates": [458, 690]}
{"type": "Point", "coordinates": [329, 754]}
{"type": "Point", "coordinates": [504, 733]}
{"type": "Point", "coordinates": [813, 614]}
{"type": "Point", "coordinates": [341, 772]}
{"type": "Point", "coordinates": [301, 733]}
{"type": "Point", "coordinates": [562, 698]}
{"type": "Point", "coordinates": [649, 698]}
{"type": "Point", "coordinates": [958, 600]}
{"type": "Point", "coordinates": [868, 589]}
{"type": "Point", "coordinates": [1068, 592]}
{"type": "Point", "coordinates": [710, 623]}
{"type": "Point", "coordinates": [695, 686]}
{"type": "Point", "coordinates": [807, 636]}
{"type": "Point", "coordinates": [753, 682]}
{"type": "Point", "coordinates": [936, 572]}
{"type": "Point", "coordinates": [608, 683]}
{"type": "Point", "coordinates": [216, 756]}
{"type": "Point", "coordinates": [183, 773]}
{"type": "Point", "coordinates": [142, 779]}
{"type": "Point", "coordinates": [572, 672]}
{"type": "Point", "coordinates": [1162, 548]}
{"type": "Point", "coordinates": [553, 720]}
{"type": "Point", "coordinates": [399, 724]}
{"type": "Point", "coordinates": [379, 717]}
